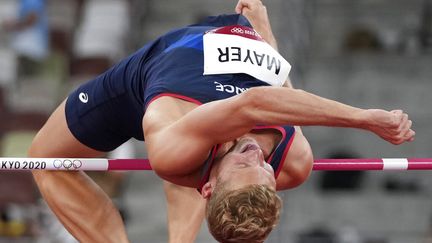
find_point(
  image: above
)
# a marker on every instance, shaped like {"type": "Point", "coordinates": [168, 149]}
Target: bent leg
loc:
{"type": "Point", "coordinates": [83, 208]}
{"type": "Point", "coordinates": [186, 209]}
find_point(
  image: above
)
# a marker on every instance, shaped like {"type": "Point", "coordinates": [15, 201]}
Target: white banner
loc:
{"type": "Point", "coordinates": [53, 164]}
{"type": "Point", "coordinates": [224, 53]}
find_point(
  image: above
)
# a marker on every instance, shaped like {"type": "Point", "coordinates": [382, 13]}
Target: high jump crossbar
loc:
{"type": "Point", "coordinates": [103, 164]}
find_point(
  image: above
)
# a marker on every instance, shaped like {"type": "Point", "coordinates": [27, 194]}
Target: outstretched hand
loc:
{"type": "Point", "coordinates": [393, 126]}
{"type": "Point", "coordinates": [256, 13]}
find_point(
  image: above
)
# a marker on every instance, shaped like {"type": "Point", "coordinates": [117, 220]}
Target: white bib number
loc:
{"type": "Point", "coordinates": [225, 53]}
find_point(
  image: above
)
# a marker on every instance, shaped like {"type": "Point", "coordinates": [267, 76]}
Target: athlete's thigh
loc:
{"type": "Point", "coordinates": [56, 140]}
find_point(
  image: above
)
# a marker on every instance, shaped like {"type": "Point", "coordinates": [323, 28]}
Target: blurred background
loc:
{"type": "Point", "coordinates": [367, 53]}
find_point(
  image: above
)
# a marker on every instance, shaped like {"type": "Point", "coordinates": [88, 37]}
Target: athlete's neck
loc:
{"type": "Point", "coordinates": [268, 139]}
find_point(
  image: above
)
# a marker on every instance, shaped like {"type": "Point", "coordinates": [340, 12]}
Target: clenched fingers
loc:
{"type": "Point", "coordinates": [250, 4]}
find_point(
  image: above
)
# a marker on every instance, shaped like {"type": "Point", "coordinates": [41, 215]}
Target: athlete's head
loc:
{"type": "Point", "coordinates": [242, 202]}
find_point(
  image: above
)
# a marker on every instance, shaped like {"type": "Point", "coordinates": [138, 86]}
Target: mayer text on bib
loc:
{"type": "Point", "coordinates": [226, 53]}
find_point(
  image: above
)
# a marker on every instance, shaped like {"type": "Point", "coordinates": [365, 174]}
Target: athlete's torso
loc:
{"type": "Point", "coordinates": [177, 65]}
{"type": "Point", "coordinates": [173, 65]}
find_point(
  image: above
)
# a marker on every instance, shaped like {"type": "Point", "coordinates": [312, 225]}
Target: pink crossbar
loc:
{"type": "Point", "coordinates": [319, 164]}
{"type": "Point", "coordinates": [102, 164]}
{"type": "Point", "coordinates": [129, 164]}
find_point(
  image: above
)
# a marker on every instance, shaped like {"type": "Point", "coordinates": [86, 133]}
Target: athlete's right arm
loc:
{"type": "Point", "coordinates": [182, 145]}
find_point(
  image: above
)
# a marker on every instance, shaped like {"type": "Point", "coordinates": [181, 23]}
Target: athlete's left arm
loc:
{"type": "Point", "coordinates": [297, 165]}
{"type": "Point", "coordinates": [181, 146]}
{"type": "Point", "coordinates": [178, 144]}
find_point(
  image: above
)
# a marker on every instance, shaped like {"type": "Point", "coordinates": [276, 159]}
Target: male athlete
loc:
{"type": "Point", "coordinates": [210, 121]}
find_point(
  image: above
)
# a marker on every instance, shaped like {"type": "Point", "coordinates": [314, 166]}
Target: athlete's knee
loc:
{"type": "Point", "coordinates": [36, 151]}
{"type": "Point", "coordinates": [39, 176]}
{"type": "Point", "coordinates": [36, 148]}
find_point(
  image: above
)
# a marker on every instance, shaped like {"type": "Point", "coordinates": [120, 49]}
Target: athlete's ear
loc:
{"type": "Point", "coordinates": [207, 190]}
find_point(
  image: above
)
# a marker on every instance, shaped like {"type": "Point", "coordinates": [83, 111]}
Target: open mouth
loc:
{"type": "Point", "coordinates": [250, 146]}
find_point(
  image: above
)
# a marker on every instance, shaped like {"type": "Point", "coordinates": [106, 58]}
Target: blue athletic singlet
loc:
{"type": "Point", "coordinates": [108, 110]}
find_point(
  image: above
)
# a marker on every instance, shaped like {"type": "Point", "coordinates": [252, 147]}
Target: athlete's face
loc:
{"type": "Point", "coordinates": [241, 163]}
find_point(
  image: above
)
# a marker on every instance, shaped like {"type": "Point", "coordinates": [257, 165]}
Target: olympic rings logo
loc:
{"type": "Point", "coordinates": [67, 164]}
{"type": "Point", "coordinates": [237, 30]}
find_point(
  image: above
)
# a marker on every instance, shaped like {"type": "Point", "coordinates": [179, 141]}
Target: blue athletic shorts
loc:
{"type": "Point", "coordinates": [103, 117]}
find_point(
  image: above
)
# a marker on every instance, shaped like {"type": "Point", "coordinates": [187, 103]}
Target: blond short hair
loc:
{"type": "Point", "coordinates": [248, 214]}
